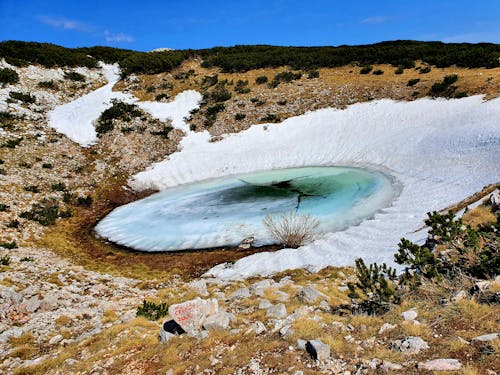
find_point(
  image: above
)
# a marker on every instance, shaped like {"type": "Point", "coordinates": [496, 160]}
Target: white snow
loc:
{"type": "Point", "coordinates": [440, 151]}
{"type": "Point", "coordinates": [76, 119]}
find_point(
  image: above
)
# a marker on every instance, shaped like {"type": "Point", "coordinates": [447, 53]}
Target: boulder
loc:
{"type": "Point", "coordinates": [386, 327]}
{"type": "Point", "coordinates": [190, 315]}
{"type": "Point", "coordinates": [459, 296]}
{"type": "Point", "coordinates": [220, 320]}
{"type": "Point", "coordinates": [276, 311]}
{"type": "Point", "coordinates": [258, 327]}
{"type": "Point", "coordinates": [199, 286]}
{"type": "Point", "coordinates": [495, 201]}
{"type": "Point", "coordinates": [411, 345]}
{"type": "Point", "coordinates": [486, 338]}
{"type": "Point", "coordinates": [49, 303]}
{"type": "Point", "coordinates": [409, 315]}
{"type": "Point", "coordinates": [309, 295]}
{"type": "Point", "coordinates": [301, 344]}
{"type": "Point", "coordinates": [441, 364]}
{"type": "Point", "coordinates": [240, 293]}
{"type": "Point", "coordinates": [318, 350]}
{"type": "Point", "coordinates": [29, 306]}
{"type": "Point", "coordinates": [391, 366]}
{"type": "Point", "coordinates": [264, 304]}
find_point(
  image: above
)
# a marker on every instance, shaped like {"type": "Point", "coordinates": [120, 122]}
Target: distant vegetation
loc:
{"type": "Point", "coordinates": [243, 58]}
{"type": "Point", "coordinates": [8, 76]}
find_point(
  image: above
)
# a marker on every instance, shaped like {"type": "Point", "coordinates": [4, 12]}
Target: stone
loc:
{"type": "Point", "coordinates": [486, 338]}
{"type": "Point", "coordinates": [441, 364]}
{"type": "Point", "coordinates": [240, 293]}
{"type": "Point", "coordinates": [286, 331]}
{"type": "Point", "coordinates": [49, 303]}
{"type": "Point", "coordinates": [386, 327]}
{"type": "Point", "coordinates": [199, 286]}
{"type": "Point", "coordinates": [190, 315]}
{"type": "Point", "coordinates": [339, 326]}
{"type": "Point", "coordinates": [309, 295]}
{"type": "Point", "coordinates": [495, 201]}
{"type": "Point", "coordinates": [220, 320]}
{"type": "Point", "coordinates": [258, 327]}
{"type": "Point", "coordinates": [409, 315]}
{"type": "Point", "coordinates": [318, 350]}
{"type": "Point", "coordinates": [55, 340]}
{"type": "Point", "coordinates": [412, 345]}
{"type": "Point", "coordinates": [301, 344]}
{"type": "Point", "coordinates": [282, 296]}
{"type": "Point", "coordinates": [29, 306]}
{"type": "Point", "coordinates": [276, 311]}
{"type": "Point", "coordinates": [459, 296]}
{"type": "Point", "coordinates": [264, 304]}
{"type": "Point", "coordinates": [390, 366]}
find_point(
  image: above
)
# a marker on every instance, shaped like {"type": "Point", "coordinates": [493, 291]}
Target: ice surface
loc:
{"type": "Point", "coordinates": [439, 150]}
{"type": "Point", "coordinates": [225, 211]}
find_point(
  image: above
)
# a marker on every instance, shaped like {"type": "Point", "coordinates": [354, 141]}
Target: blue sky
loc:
{"type": "Point", "coordinates": [145, 25]}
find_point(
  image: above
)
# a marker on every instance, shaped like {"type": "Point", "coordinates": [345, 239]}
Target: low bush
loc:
{"type": "Point", "coordinates": [261, 80]}
{"type": "Point", "coordinates": [271, 117]}
{"type": "Point", "coordinates": [161, 96]}
{"type": "Point", "coordinates": [220, 94]}
{"type": "Point", "coordinates": [209, 81]}
{"type": "Point", "coordinates": [8, 76]}
{"type": "Point", "coordinates": [25, 98]}
{"type": "Point", "coordinates": [74, 76]}
{"type": "Point", "coordinates": [4, 207]}
{"type": "Point", "coordinates": [164, 132]}
{"type": "Point", "coordinates": [313, 74]}
{"type": "Point", "coordinates": [32, 188]}
{"type": "Point", "coordinates": [413, 82]}
{"type": "Point", "coordinates": [84, 201]}
{"type": "Point", "coordinates": [215, 109]}
{"type": "Point", "coordinates": [366, 69]}
{"type": "Point", "coordinates": [445, 88]}
{"type": "Point", "coordinates": [9, 245]}
{"type": "Point", "coordinates": [284, 77]}
{"type": "Point", "coordinates": [241, 87]}
{"type": "Point", "coordinates": [378, 72]}
{"type": "Point", "coordinates": [59, 186]}
{"type": "Point", "coordinates": [374, 282]}
{"type": "Point", "coordinates": [12, 143]}
{"type": "Point", "coordinates": [425, 70]}
{"type": "Point", "coordinates": [399, 70]}
{"type": "Point", "coordinates": [44, 214]}
{"type": "Point", "coordinates": [13, 224]}
{"type": "Point", "coordinates": [5, 260]}
{"type": "Point", "coordinates": [152, 311]}
{"type": "Point", "coordinates": [118, 111]}
{"type": "Point", "coordinates": [47, 165]}
{"type": "Point", "coordinates": [51, 85]}
{"type": "Point", "coordinates": [239, 116]}
{"type": "Point", "coordinates": [26, 259]}
{"type": "Point", "coordinates": [291, 229]}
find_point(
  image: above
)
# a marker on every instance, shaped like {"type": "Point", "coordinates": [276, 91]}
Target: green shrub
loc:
{"type": "Point", "coordinates": [312, 74]}
{"type": "Point", "coordinates": [4, 207]}
{"type": "Point", "coordinates": [12, 143]}
{"type": "Point", "coordinates": [20, 63]}
{"type": "Point", "coordinates": [25, 98]}
{"type": "Point", "coordinates": [44, 214]}
{"type": "Point", "coordinates": [399, 70]}
{"type": "Point", "coordinates": [450, 79]}
{"type": "Point", "coordinates": [213, 110]}
{"type": "Point", "coordinates": [209, 81]}
{"type": "Point", "coordinates": [444, 227]}
{"type": "Point", "coordinates": [8, 76]}
{"type": "Point", "coordinates": [26, 259]}
{"type": "Point", "coordinates": [241, 87]}
{"type": "Point", "coordinates": [13, 224]}
{"type": "Point", "coordinates": [261, 80]}
{"type": "Point", "coordinates": [366, 69]}
{"type": "Point", "coordinates": [417, 258]}
{"type": "Point", "coordinates": [47, 166]}
{"type": "Point", "coordinates": [84, 201]}
{"type": "Point", "coordinates": [118, 111]}
{"type": "Point", "coordinates": [282, 102]}
{"type": "Point", "coordinates": [378, 72]}
{"type": "Point", "coordinates": [425, 70]}
{"type": "Point", "coordinates": [5, 260]}
{"type": "Point", "coordinates": [161, 96]}
{"type": "Point", "coordinates": [164, 132]}
{"type": "Point", "coordinates": [413, 82]}
{"type": "Point", "coordinates": [375, 282]}
{"type": "Point", "coordinates": [74, 76]}
{"type": "Point", "coordinates": [32, 188]}
{"type": "Point", "coordinates": [284, 77]}
{"type": "Point", "coordinates": [271, 117]}
{"type": "Point", "coordinates": [59, 186]}
{"type": "Point", "coordinates": [152, 311]}
{"type": "Point", "coordinates": [9, 245]}
{"type": "Point", "coordinates": [239, 116]}
{"type": "Point", "coordinates": [220, 94]}
{"type": "Point", "coordinates": [51, 85]}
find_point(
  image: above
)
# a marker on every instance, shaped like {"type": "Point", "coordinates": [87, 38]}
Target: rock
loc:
{"type": "Point", "coordinates": [301, 344]}
{"type": "Point", "coordinates": [199, 286]}
{"type": "Point", "coordinates": [264, 304]}
{"type": "Point", "coordinates": [49, 303]}
{"type": "Point", "coordinates": [309, 295]}
{"type": "Point", "coordinates": [258, 327]}
{"type": "Point", "coordinates": [70, 362]}
{"type": "Point", "coordinates": [282, 296]}
{"type": "Point", "coordinates": [390, 366]}
{"type": "Point", "coordinates": [298, 373]}
{"type": "Point", "coordinates": [324, 306]}
{"type": "Point", "coordinates": [190, 315]}
{"type": "Point", "coordinates": [276, 311]}
{"type": "Point", "coordinates": [318, 350]}
{"type": "Point", "coordinates": [486, 338]}
{"type": "Point", "coordinates": [386, 327]}
{"type": "Point", "coordinates": [170, 372]}
{"type": "Point", "coordinates": [286, 331]}
{"type": "Point", "coordinates": [55, 340]}
{"type": "Point", "coordinates": [339, 326]}
{"type": "Point", "coordinates": [441, 364]}
{"type": "Point", "coordinates": [495, 201]}
{"type": "Point", "coordinates": [220, 320]}
{"type": "Point", "coordinates": [409, 315]}
{"type": "Point", "coordinates": [29, 306]}
{"type": "Point", "coordinates": [411, 345]}
{"type": "Point", "coordinates": [240, 293]}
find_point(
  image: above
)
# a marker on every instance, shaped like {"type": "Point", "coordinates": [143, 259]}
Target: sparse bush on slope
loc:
{"type": "Point", "coordinates": [291, 229]}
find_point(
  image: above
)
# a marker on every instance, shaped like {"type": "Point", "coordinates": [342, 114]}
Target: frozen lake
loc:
{"type": "Point", "coordinates": [225, 211]}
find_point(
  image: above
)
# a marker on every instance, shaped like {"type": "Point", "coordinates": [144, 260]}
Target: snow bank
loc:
{"type": "Point", "coordinates": [76, 119]}
{"type": "Point", "coordinates": [439, 150]}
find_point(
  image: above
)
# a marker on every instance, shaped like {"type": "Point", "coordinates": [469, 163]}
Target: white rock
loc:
{"type": "Point", "coordinates": [199, 286]}
{"type": "Point", "coordinates": [258, 327]}
{"type": "Point", "coordinates": [441, 364]}
{"type": "Point", "coordinates": [276, 311]}
{"type": "Point", "coordinates": [413, 345]}
{"type": "Point", "coordinates": [409, 315]}
{"type": "Point", "coordinates": [390, 366]}
{"type": "Point", "coordinates": [190, 315]}
{"type": "Point", "coordinates": [486, 338]}
{"type": "Point", "coordinates": [309, 295]}
{"type": "Point", "coordinates": [220, 320]}
{"type": "Point", "coordinates": [386, 327]}
{"type": "Point", "coordinates": [301, 344]}
{"type": "Point", "coordinates": [264, 304]}
{"type": "Point", "coordinates": [320, 348]}
{"type": "Point", "coordinates": [55, 340]}
{"type": "Point", "coordinates": [240, 293]}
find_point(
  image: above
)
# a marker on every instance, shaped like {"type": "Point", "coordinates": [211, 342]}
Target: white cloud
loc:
{"type": "Point", "coordinates": [65, 24]}
{"type": "Point", "coordinates": [119, 37]}
{"type": "Point", "coordinates": [374, 20]}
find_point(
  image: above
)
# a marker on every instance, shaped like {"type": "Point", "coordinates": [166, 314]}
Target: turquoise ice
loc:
{"type": "Point", "coordinates": [224, 211]}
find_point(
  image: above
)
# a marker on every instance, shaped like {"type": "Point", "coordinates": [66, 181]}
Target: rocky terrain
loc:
{"type": "Point", "coordinates": [69, 302]}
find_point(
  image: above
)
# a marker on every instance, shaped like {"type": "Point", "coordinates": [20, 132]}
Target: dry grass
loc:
{"type": "Point", "coordinates": [480, 215]}
{"type": "Point", "coordinates": [291, 229]}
